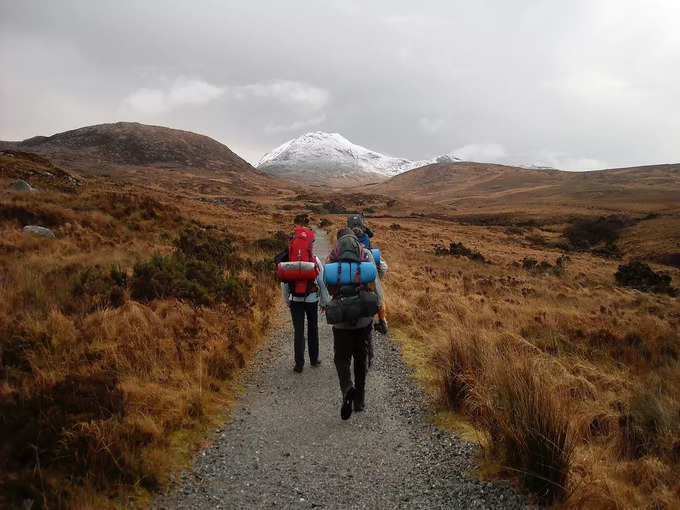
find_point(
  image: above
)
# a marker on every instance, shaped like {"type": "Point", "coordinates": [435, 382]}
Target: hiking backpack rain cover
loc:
{"type": "Point", "coordinates": [301, 269]}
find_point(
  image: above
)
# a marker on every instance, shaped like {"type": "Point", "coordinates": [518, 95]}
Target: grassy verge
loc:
{"type": "Point", "coordinates": [570, 381]}
{"type": "Point", "coordinates": [120, 339]}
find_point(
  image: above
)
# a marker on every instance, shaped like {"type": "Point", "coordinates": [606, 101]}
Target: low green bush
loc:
{"type": "Point", "coordinates": [94, 288]}
{"type": "Point", "coordinates": [333, 207]}
{"type": "Point", "coordinates": [459, 249]}
{"type": "Point", "coordinates": [640, 276]}
{"type": "Point", "coordinates": [583, 234]}
{"type": "Point", "coordinates": [302, 219]}
{"type": "Point", "coordinates": [271, 244]}
{"type": "Point", "coordinates": [199, 282]}
{"type": "Point", "coordinates": [206, 245]}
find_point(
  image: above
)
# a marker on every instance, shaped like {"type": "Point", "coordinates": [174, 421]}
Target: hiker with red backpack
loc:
{"type": "Point", "coordinates": [303, 289]}
{"type": "Point", "coordinates": [353, 282]}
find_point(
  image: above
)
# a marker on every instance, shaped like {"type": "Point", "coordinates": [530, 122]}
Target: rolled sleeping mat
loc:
{"type": "Point", "coordinates": [296, 271]}
{"type": "Point", "coordinates": [367, 270]}
{"type": "Point", "coordinates": [376, 256]}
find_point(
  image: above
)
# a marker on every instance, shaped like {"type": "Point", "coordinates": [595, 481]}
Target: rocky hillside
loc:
{"type": "Point", "coordinates": [106, 148]}
{"type": "Point", "coordinates": [36, 170]}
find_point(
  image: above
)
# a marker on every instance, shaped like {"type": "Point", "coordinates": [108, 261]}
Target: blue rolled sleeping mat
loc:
{"type": "Point", "coordinates": [367, 270]}
{"type": "Point", "coordinates": [376, 256]}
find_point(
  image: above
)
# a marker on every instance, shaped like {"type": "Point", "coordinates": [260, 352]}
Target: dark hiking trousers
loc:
{"type": "Point", "coordinates": [298, 310]}
{"type": "Point", "coordinates": [348, 344]}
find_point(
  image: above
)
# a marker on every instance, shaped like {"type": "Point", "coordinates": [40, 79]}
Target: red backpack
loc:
{"type": "Point", "coordinates": [301, 269]}
{"type": "Point", "coordinates": [300, 247]}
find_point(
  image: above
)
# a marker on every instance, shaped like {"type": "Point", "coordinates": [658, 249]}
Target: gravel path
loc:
{"type": "Point", "coordinates": [288, 448]}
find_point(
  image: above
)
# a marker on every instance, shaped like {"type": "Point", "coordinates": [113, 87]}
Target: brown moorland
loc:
{"type": "Point", "coordinates": [467, 186]}
{"type": "Point", "coordinates": [508, 305]}
{"type": "Point", "coordinates": [120, 338]}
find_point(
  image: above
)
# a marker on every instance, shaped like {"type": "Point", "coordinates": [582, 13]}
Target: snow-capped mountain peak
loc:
{"type": "Point", "coordinates": [332, 155]}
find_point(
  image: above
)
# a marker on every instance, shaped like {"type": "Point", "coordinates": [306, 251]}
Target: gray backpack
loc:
{"type": "Point", "coordinates": [350, 249]}
{"type": "Point", "coordinates": [350, 302]}
{"type": "Point", "coordinates": [356, 220]}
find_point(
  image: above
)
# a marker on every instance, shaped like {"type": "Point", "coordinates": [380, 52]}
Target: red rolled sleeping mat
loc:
{"type": "Point", "coordinates": [297, 271]}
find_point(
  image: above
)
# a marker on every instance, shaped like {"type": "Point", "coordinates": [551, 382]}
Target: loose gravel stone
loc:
{"type": "Point", "coordinates": [287, 447]}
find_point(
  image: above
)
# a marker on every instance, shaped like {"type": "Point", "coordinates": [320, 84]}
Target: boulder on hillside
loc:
{"type": "Point", "coordinates": [39, 231]}
{"type": "Point", "coordinates": [21, 186]}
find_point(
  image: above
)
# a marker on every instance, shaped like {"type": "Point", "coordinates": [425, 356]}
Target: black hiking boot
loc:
{"type": "Point", "coordinates": [346, 409]}
{"type": "Point", "coordinates": [358, 401]}
{"type": "Point", "coordinates": [297, 368]}
{"type": "Point", "coordinates": [316, 363]}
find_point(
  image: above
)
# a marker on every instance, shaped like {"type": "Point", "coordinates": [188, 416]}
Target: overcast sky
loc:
{"type": "Point", "coordinates": [572, 84]}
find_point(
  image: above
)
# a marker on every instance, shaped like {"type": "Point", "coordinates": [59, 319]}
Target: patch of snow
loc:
{"type": "Point", "coordinates": [332, 153]}
{"type": "Point", "coordinates": [537, 167]}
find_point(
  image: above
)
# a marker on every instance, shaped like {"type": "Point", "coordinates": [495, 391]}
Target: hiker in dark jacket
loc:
{"type": "Point", "coordinates": [351, 339]}
{"type": "Point", "coordinates": [356, 221]}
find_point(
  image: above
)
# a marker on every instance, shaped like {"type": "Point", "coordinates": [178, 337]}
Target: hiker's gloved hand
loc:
{"type": "Point", "coordinates": [381, 326]}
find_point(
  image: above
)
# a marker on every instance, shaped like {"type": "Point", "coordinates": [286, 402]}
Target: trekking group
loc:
{"type": "Point", "coordinates": [347, 288]}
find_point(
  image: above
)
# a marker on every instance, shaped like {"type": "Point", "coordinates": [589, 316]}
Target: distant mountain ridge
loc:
{"type": "Point", "coordinates": [108, 147]}
{"type": "Point", "coordinates": [321, 157]}
{"type": "Point", "coordinates": [464, 183]}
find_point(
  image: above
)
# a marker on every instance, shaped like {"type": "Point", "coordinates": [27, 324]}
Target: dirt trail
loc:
{"type": "Point", "coordinates": [288, 448]}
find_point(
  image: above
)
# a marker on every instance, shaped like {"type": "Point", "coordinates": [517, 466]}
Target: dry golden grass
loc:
{"type": "Point", "coordinates": [102, 396]}
{"type": "Point", "coordinates": [467, 185]}
{"type": "Point", "coordinates": [572, 382]}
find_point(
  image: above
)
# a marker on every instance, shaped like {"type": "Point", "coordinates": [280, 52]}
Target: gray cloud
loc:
{"type": "Point", "coordinates": [576, 85]}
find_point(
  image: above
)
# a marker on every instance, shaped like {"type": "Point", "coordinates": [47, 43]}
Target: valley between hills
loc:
{"type": "Point", "coordinates": [537, 309]}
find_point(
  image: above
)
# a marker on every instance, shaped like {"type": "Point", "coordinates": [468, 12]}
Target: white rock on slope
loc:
{"type": "Point", "coordinates": [39, 231]}
{"type": "Point", "coordinates": [333, 154]}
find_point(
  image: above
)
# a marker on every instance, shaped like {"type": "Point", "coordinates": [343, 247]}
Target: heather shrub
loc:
{"type": "Point", "coordinates": [333, 207]}
{"type": "Point", "coordinates": [586, 233]}
{"type": "Point", "coordinates": [273, 244]}
{"type": "Point", "coordinates": [206, 245]}
{"type": "Point", "coordinates": [199, 282]}
{"type": "Point", "coordinates": [459, 250]}
{"type": "Point", "coordinates": [640, 276]}
{"type": "Point", "coordinates": [529, 263]}
{"type": "Point", "coordinates": [95, 288]}
{"type": "Point", "coordinates": [302, 219]}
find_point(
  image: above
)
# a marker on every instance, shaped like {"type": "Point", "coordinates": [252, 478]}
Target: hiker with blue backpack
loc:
{"type": "Point", "coordinates": [351, 276]}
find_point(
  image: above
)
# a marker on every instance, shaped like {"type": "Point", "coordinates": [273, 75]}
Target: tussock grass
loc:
{"type": "Point", "coordinates": [120, 339]}
{"type": "Point", "coordinates": [571, 381]}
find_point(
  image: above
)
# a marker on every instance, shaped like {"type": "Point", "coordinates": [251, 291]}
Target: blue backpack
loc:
{"type": "Point", "coordinates": [347, 280]}
{"type": "Point", "coordinates": [365, 240]}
